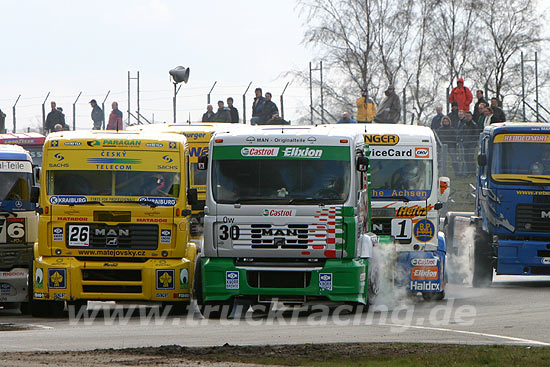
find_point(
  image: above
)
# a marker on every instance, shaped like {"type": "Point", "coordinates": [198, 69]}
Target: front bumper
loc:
{"type": "Point", "coordinates": [65, 278]}
{"type": "Point", "coordinates": [337, 281]}
{"type": "Point", "coordinates": [523, 257]}
{"type": "Point", "coordinates": [13, 285]}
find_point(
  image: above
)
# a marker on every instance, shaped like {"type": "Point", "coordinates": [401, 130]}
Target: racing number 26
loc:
{"type": "Point", "coordinates": [229, 231]}
{"type": "Point", "coordinates": [79, 235]}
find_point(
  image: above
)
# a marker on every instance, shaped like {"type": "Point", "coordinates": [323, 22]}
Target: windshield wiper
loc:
{"type": "Point", "coordinates": [404, 198]}
{"type": "Point", "coordinates": [513, 179]}
{"type": "Point", "coordinates": [84, 203]}
{"type": "Point", "coordinates": [540, 177]}
{"type": "Point", "coordinates": [150, 203]}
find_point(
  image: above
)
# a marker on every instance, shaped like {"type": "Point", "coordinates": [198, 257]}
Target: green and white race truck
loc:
{"type": "Point", "coordinates": [287, 219]}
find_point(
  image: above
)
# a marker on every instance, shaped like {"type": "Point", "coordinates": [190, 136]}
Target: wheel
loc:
{"type": "Point", "coordinates": [483, 260]}
{"type": "Point", "coordinates": [79, 307]}
{"type": "Point", "coordinates": [11, 306]}
{"type": "Point", "coordinates": [176, 308]}
{"type": "Point", "coordinates": [433, 296]}
{"type": "Point", "coordinates": [373, 279]}
{"type": "Point", "coordinates": [212, 309]}
{"type": "Point", "coordinates": [53, 309]}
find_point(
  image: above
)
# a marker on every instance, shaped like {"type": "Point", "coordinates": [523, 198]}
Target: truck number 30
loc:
{"type": "Point", "coordinates": [229, 231]}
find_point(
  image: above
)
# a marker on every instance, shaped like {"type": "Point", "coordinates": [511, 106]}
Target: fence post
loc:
{"type": "Point", "coordinates": [244, 102]}
{"type": "Point", "coordinates": [44, 113]}
{"type": "Point", "coordinates": [13, 111]}
{"type": "Point", "coordinates": [74, 110]}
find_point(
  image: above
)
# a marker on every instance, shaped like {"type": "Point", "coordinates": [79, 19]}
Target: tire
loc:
{"type": "Point", "coordinates": [50, 309]}
{"type": "Point", "coordinates": [212, 309]}
{"type": "Point", "coordinates": [80, 306]}
{"type": "Point", "coordinates": [176, 308]}
{"type": "Point", "coordinates": [373, 280]}
{"type": "Point", "coordinates": [483, 260]}
{"type": "Point", "coordinates": [433, 296]}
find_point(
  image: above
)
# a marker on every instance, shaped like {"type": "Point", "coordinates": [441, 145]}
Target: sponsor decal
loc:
{"type": "Point", "coordinates": [158, 201]}
{"type": "Point", "coordinates": [58, 233]}
{"type": "Point", "coordinates": [231, 280]}
{"type": "Point", "coordinates": [165, 279]}
{"type": "Point", "coordinates": [295, 152]}
{"type": "Point", "coordinates": [167, 159]}
{"type": "Point", "coordinates": [424, 230]}
{"type": "Point", "coordinates": [424, 262]}
{"type": "Point", "coordinates": [57, 278]}
{"type": "Point", "coordinates": [59, 157]}
{"type": "Point", "coordinates": [184, 278]}
{"type": "Point", "coordinates": [420, 286]}
{"type": "Point", "coordinates": [122, 142]}
{"type": "Point", "coordinates": [172, 145]}
{"type": "Point", "coordinates": [59, 295]}
{"type": "Point", "coordinates": [181, 295]}
{"type": "Point", "coordinates": [545, 260]}
{"type": "Point", "coordinates": [165, 236]}
{"type": "Point", "coordinates": [154, 145]}
{"type": "Point", "coordinates": [198, 151]}
{"type": "Point", "coordinates": [72, 143]}
{"type": "Point", "coordinates": [259, 152]}
{"type": "Point", "coordinates": [411, 194]}
{"type": "Point", "coordinates": [415, 211]}
{"type": "Point", "coordinates": [325, 281]}
{"type": "Point", "coordinates": [54, 143]}
{"type": "Point", "coordinates": [195, 136]}
{"type": "Point", "coordinates": [422, 152]}
{"type": "Point", "coordinates": [72, 219]}
{"type": "Point", "coordinates": [375, 139]}
{"type": "Point", "coordinates": [110, 265]}
{"type": "Point", "coordinates": [151, 220]}
{"type": "Point", "coordinates": [161, 295]}
{"type": "Point", "coordinates": [522, 138]}
{"type": "Point", "coordinates": [544, 214]}
{"type": "Point", "coordinates": [13, 274]}
{"type": "Point", "coordinates": [93, 143]}
{"type": "Point", "coordinates": [40, 295]}
{"type": "Point", "coordinates": [39, 278]}
{"type": "Point", "coordinates": [15, 166]}
{"type": "Point", "coordinates": [379, 152]}
{"type": "Point", "coordinates": [67, 199]}
{"type": "Point", "coordinates": [127, 253]}
{"type": "Point", "coordinates": [424, 273]}
{"type": "Point", "coordinates": [279, 212]}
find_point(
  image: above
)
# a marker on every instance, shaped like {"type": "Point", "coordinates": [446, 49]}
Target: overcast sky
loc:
{"type": "Point", "coordinates": [67, 46]}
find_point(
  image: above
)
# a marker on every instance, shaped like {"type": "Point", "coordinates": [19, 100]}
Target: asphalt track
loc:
{"type": "Point", "coordinates": [514, 310]}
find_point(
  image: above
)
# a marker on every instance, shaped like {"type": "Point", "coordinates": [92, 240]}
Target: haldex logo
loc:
{"type": "Point", "coordinates": [259, 152]}
{"type": "Point", "coordinates": [279, 212]}
{"type": "Point", "coordinates": [296, 152]}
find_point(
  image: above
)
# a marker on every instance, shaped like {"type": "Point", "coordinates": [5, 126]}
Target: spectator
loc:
{"type": "Point", "coordinates": [54, 117]}
{"type": "Point", "coordinates": [2, 122]}
{"type": "Point", "coordinates": [481, 118]}
{"type": "Point", "coordinates": [233, 110]}
{"type": "Point", "coordinates": [269, 109]}
{"type": "Point", "coordinates": [469, 136]}
{"type": "Point", "coordinates": [462, 95]}
{"type": "Point", "coordinates": [346, 119]}
{"type": "Point", "coordinates": [277, 120]}
{"type": "Point", "coordinates": [487, 116]}
{"type": "Point", "coordinates": [453, 115]}
{"type": "Point", "coordinates": [448, 135]}
{"type": "Point", "coordinates": [209, 115]}
{"type": "Point", "coordinates": [223, 114]}
{"type": "Point", "coordinates": [436, 120]}
{"type": "Point", "coordinates": [480, 99]}
{"type": "Point", "coordinates": [366, 109]}
{"type": "Point", "coordinates": [63, 123]}
{"type": "Point", "coordinates": [498, 113]}
{"type": "Point", "coordinates": [257, 106]}
{"type": "Point", "coordinates": [461, 118]}
{"type": "Point", "coordinates": [390, 108]}
{"type": "Point", "coordinates": [115, 118]}
{"type": "Point", "coordinates": [97, 115]}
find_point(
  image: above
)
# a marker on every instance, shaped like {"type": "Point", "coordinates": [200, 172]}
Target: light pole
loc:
{"type": "Point", "coordinates": [179, 74]}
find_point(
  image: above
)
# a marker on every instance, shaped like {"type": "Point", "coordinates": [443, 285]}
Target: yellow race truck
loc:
{"type": "Point", "coordinates": [115, 221]}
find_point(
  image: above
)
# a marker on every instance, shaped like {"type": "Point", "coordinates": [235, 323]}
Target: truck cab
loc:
{"type": "Point", "coordinates": [287, 218]}
{"type": "Point", "coordinates": [116, 221]}
{"type": "Point", "coordinates": [512, 211]}
{"type": "Point", "coordinates": [18, 224]}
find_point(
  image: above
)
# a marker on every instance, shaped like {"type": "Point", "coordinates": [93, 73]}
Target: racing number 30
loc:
{"type": "Point", "coordinates": [229, 231]}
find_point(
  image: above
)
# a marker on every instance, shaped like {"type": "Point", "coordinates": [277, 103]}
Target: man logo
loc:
{"type": "Point", "coordinates": [544, 214]}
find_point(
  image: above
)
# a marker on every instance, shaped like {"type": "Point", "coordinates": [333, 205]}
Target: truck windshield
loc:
{"type": "Point", "coordinates": [296, 181]}
{"type": "Point", "coordinates": [411, 178]}
{"type": "Point", "coordinates": [198, 177]}
{"type": "Point", "coordinates": [521, 161]}
{"type": "Point", "coordinates": [15, 186]}
{"type": "Point", "coordinates": [109, 183]}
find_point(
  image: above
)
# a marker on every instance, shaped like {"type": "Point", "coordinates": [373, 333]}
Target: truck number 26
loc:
{"type": "Point", "coordinates": [229, 231]}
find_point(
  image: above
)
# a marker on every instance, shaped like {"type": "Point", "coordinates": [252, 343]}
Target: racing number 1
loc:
{"type": "Point", "coordinates": [229, 231]}
{"type": "Point", "coordinates": [401, 228]}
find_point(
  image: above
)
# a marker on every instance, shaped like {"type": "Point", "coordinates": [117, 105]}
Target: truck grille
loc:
{"type": "Point", "coordinates": [122, 236]}
{"type": "Point", "coordinates": [291, 236]}
{"type": "Point", "coordinates": [278, 279]}
{"type": "Point", "coordinates": [381, 226]}
{"type": "Point", "coordinates": [533, 218]}
{"type": "Point", "coordinates": [111, 275]}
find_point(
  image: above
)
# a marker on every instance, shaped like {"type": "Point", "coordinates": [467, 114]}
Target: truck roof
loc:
{"type": "Point", "coordinates": [516, 127]}
{"type": "Point", "coordinates": [408, 134]}
{"type": "Point", "coordinates": [99, 137]}
{"type": "Point", "coordinates": [302, 131]}
{"type": "Point", "coordinates": [13, 153]}
{"type": "Point", "coordinates": [22, 138]}
{"type": "Point", "coordinates": [195, 132]}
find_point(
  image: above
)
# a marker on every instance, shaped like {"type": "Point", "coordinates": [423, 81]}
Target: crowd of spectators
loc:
{"type": "Point", "coordinates": [459, 130]}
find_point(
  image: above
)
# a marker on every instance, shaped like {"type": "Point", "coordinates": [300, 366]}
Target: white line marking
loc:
{"type": "Point", "coordinates": [520, 340]}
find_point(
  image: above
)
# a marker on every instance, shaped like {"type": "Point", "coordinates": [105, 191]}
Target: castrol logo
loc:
{"type": "Point", "coordinates": [279, 212]}
{"type": "Point", "coordinates": [259, 152]}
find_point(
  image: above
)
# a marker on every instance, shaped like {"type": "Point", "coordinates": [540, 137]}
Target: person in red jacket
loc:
{"type": "Point", "coordinates": [461, 95]}
{"type": "Point", "coordinates": [115, 118]}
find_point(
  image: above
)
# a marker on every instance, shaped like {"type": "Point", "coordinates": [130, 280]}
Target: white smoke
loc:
{"type": "Point", "coordinates": [460, 254]}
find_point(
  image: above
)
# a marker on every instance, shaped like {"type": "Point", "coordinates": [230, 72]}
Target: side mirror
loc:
{"type": "Point", "coordinates": [192, 197]}
{"type": "Point", "coordinates": [366, 242]}
{"type": "Point", "coordinates": [203, 162]}
{"type": "Point", "coordinates": [444, 189]}
{"type": "Point", "coordinates": [36, 172]}
{"type": "Point", "coordinates": [362, 164]}
{"type": "Point", "coordinates": [482, 159]}
{"type": "Point", "coordinates": [35, 194]}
